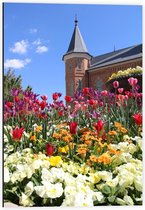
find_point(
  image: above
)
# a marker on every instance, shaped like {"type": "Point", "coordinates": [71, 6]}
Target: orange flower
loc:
{"type": "Point", "coordinates": [67, 138]}
{"type": "Point", "coordinates": [117, 125]}
{"type": "Point", "coordinates": [104, 158]}
{"type": "Point", "coordinates": [123, 130]}
{"type": "Point", "coordinates": [33, 138]}
{"type": "Point", "coordinates": [93, 158]}
{"type": "Point", "coordinates": [114, 151]}
{"type": "Point", "coordinates": [56, 135]}
{"type": "Point", "coordinates": [89, 143]}
{"type": "Point", "coordinates": [112, 133]}
{"type": "Point", "coordinates": [71, 145]}
{"type": "Point", "coordinates": [82, 151]}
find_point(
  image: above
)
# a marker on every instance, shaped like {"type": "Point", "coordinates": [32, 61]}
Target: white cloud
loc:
{"type": "Point", "coordinates": [41, 49]}
{"type": "Point", "coordinates": [20, 47]}
{"type": "Point", "coordinates": [16, 63]}
{"type": "Point", "coordinates": [33, 30]}
{"type": "Point", "coordinates": [37, 42]}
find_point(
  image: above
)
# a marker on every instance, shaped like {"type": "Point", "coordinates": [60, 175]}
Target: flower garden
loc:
{"type": "Point", "coordinates": [83, 151]}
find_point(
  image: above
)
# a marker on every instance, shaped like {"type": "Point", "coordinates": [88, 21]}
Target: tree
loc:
{"type": "Point", "coordinates": [11, 81]}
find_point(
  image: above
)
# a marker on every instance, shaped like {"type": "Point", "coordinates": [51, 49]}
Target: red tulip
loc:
{"type": "Point", "coordinates": [9, 104]}
{"type": "Point", "coordinates": [68, 98]}
{"type": "Point", "coordinates": [115, 84]}
{"type": "Point", "coordinates": [138, 118]}
{"type": "Point", "coordinates": [86, 90]}
{"type": "Point", "coordinates": [104, 93]}
{"type": "Point", "coordinates": [44, 97]}
{"type": "Point", "coordinates": [49, 149]}
{"type": "Point", "coordinates": [16, 99]}
{"type": "Point", "coordinates": [73, 127]}
{"type": "Point", "coordinates": [99, 125]}
{"type": "Point", "coordinates": [55, 96]}
{"type": "Point", "coordinates": [43, 104]}
{"type": "Point", "coordinates": [17, 134]}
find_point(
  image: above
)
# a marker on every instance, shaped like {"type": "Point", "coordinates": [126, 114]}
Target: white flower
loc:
{"type": "Point", "coordinates": [26, 134]}
{"type": "Point", "coordinates": [105, 175]}
{"type": "Point", "coordinates": [57, 173]}
{"type": "Point", "coordinates": [113, 183]}
{"type": "Point", "coordinates": [128, 200]}
{"type": "Point", "coordinates": [49, 190]}
{"type": "Point", "coordinates": [6, 175]}
{"type": "Point", "coordinates": [46, 175]}
{"type": "Point", "coordinates": [5, 138]}
{"type": "Point", "coordinates": [138, 183]}
{"type": "Point", "coordinates": [29, 188]}
{"type": "Point", "coordinates": [120, 201]}
{"type": "Point", "coordinates": [70, 191]}
{"type": "Point", "coordinates": [36, 164]}
{"type": "Point", "coordinates": [98, 196]}
{"type": "Point", "coordinates": [25, 200]}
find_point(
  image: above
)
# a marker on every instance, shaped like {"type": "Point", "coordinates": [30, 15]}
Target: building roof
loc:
{"type": "Point", "coordinates": [77, 43]}
{"type": "Point", "coordinates": [116, 56]}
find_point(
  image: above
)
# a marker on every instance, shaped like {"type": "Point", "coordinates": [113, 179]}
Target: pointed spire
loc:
{"type": "Point", "coordinates": [77, 43]}
{"type": "Point", "coordinates": [76, 20]}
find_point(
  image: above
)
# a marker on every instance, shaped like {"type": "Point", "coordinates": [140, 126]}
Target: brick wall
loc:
{"type": "Point", "coordinates": [102, 74]}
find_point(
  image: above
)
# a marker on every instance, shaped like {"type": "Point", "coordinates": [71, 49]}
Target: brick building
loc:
{"type": "Point", "coordinates": [84, 70]}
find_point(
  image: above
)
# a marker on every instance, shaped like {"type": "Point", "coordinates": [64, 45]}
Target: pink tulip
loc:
{"type": "Point", "coordinates": [120, 90]}
{"type": "Point", "coordinates": [132, 81]}
{"type": "Point", "coordinates": [115, 84]}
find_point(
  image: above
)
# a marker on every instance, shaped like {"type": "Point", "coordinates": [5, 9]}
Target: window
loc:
{"type": "Point", "coordinates": [79, 64]}
{"type": "Point", "coordinates": [99, 85]}
{"type": "Point", "coordinates": [79, 85]}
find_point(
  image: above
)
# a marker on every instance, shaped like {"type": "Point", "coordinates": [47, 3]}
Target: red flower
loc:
{"type": "Point", "coordinates": [16, 99]}
{"type": "Point", "coordinates": [44, 97]}
{"type": "Point", "coordinates": [138, 118]}
{"type": "Point", "coordinates": [115, 84]}
{"type": "Point", "coordinates": [55, 96]}
{"type": "Point", "coordinates": [43, 104]}
{"type": "Point", "coordinates": [86, 90]}
{"type": "Point", "coordinates": [99, 125]}
{"type": "Point", "coordinates": [49, 149]}
{"type": "Point", "coordinates": [73, 127]}
{"type": "Point", "coordinates": [9, 104]}
{"type": "Point", "coordinates": [68, 98]}
{"type": "Point", "coordinates": [17, 134]}
{"type": "Point", "coordinates": [60, 113]}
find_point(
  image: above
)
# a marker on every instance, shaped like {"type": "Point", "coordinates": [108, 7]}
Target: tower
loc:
{"type": "Point", "coordinates": [76, 61]}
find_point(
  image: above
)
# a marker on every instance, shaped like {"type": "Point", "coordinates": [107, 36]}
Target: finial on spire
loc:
{"type": "Point", "coordinates": [76, 20]}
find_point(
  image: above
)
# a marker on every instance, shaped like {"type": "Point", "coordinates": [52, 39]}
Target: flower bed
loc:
{"type": "Point", "coordinates": [87, 152]}
{"type": "Point", "coordinates": [123, 76]}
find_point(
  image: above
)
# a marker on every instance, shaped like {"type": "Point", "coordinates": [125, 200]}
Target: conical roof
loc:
{"type": "Point", "coordinates": [77, 43]}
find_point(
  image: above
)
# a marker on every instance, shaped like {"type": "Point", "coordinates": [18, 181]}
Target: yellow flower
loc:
{"type": "Point", "coordinates": [55, 160]}
{"type": "Point", "coordinates": [63, 149]}
{"type": "Point", "coordinates": [38, 129]}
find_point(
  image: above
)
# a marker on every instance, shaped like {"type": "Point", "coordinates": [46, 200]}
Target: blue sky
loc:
{"type": "Point", "coordinates": [36, 36]}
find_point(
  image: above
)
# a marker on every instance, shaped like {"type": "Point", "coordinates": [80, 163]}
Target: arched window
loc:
{"type": "Point", "coordinates": [71, 91]}
{"type": "Point", "coordinates": [99, 85]}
